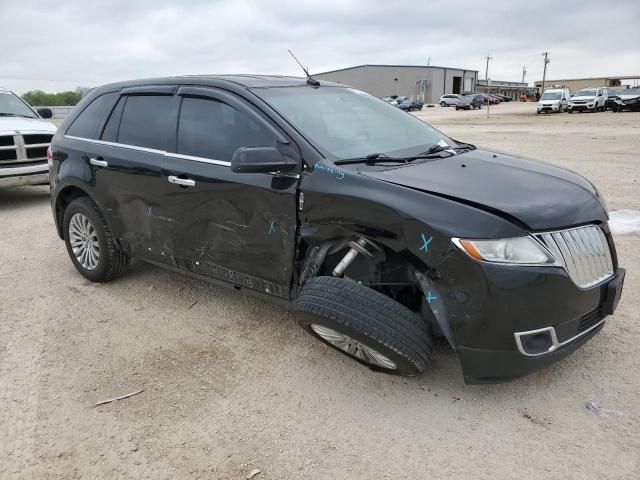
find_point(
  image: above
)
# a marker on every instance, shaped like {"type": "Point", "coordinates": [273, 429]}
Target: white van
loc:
{"type": "Point", "coordinates": [590, 99]}
{"type": "Point", "coordinates": [554, 100]}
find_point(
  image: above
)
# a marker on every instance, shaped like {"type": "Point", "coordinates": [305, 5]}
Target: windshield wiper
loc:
{"type": "Point", "coordinates": [371, 159]}
{"type": "Point", "coordinates": [5, 114]}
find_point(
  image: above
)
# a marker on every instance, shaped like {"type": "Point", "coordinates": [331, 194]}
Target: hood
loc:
{"type": "Point", "coordinates": [583, 97]}
{"type": "Point", "coordinates": [538, 195]}
{"type": "Point", "coordinates": [21, 124]}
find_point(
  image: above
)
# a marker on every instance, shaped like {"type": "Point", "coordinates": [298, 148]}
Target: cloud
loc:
{"type": "Point", "coordinates": [61, 45]}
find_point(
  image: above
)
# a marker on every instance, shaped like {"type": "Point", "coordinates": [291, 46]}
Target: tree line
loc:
{"type": "Point", "coordinates": [39, 98]}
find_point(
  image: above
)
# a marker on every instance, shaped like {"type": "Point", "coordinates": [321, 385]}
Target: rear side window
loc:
{"type": "Point", "coordinates": [91, 119]}
{"type": "Point", "coordinates": [215, 130]}
{"type": "Point", "coordinates": [148, 121]}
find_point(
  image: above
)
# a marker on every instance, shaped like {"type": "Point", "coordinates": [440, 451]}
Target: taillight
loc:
{"type": "Point", "coordinates": [49, 156]}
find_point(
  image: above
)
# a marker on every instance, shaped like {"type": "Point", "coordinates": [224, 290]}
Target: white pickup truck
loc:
{"type": "Point", "coordinates": [24, 141]}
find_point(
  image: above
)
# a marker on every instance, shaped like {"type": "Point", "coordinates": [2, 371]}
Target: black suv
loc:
{"type": "Point", "coordinates": [380, 231]}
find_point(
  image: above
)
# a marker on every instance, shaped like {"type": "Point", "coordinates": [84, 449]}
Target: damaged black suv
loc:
{"type": "Point", "coordinates": [379, 230]}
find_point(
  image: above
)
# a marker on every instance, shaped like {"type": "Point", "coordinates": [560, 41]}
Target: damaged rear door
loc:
{"type": "Point", "coordinates": [236, 227]}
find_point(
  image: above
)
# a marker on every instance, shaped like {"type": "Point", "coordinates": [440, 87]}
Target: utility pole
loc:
{"type": "Point", "coordinates": [544, 73]}
{"type": "Point", "coordinates": [524, 72]}
{"type": "Point", "coordinates": [486, 81]}
{"type": "Point", "coordinates": [486, 70]}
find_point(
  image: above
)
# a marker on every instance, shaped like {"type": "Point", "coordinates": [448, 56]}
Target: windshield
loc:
{"type": "Point", "coordinates": [586, 93]}
{"type": "Point", "coordinates": [551, 96]}
{"type": "Point", "coordinates": [12, 105]}
{"type": "Point", "coordinates": [469, 97]}
{"type": "Point", "coordinates": [348, 123]}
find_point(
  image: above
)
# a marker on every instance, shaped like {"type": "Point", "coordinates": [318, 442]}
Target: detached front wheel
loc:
{"type": "Point", "coordinates": [370, 327]}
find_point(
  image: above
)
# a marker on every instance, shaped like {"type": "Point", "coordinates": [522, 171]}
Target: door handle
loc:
{"type": "Point", "coordinates": [98, 162]}
{"type": "Point", "coordinates": [185, 182]}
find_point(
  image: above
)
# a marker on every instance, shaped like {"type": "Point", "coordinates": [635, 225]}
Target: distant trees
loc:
{"type": "Point", "coordinates": [39, 98]}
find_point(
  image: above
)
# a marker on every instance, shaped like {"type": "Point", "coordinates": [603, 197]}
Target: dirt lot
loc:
{"type": "Point", "coordinates": [231, 383]}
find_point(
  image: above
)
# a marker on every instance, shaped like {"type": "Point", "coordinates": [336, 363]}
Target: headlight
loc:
{"type": "Point", "coordinates": [518, 250]}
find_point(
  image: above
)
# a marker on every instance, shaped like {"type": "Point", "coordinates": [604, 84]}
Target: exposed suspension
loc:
{"type": "Point", "coordinates": [360, 245]}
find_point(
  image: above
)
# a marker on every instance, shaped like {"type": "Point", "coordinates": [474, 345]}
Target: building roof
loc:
{"type": "Point", "coordinates": [394, 66]}
{"type": "Point", "coordinates": [608, 77]}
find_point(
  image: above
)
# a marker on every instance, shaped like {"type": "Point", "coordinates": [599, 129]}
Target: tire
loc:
{"type": "Point", "coordinates": [443, 104]}
{"type": "Point", "coordinates": [111, 261]}
{"type": "Point", "coordinates": [365, 320]}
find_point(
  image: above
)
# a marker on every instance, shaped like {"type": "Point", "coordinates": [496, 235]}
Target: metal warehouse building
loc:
{"type": "Point", "coordinates": [426, 83]}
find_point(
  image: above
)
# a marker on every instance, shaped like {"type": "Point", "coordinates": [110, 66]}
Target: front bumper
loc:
{"type": "Point", "coordinates": [485, 365]}
{"type": "Point", "coordinates": [581, 106]}
{"type": "Point", "coordinates": [28, 175]}
{"type": "Point", "coordinates": [549, 108]}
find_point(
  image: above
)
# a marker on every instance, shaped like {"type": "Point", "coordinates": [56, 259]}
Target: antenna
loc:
{"type": "Point", "coordinates": [310, 80]}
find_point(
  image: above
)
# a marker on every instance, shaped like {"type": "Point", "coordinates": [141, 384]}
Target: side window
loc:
{"type": "Point", "coordinates": [110, 132]}
{"type": "Point", "coordinates": [91, 119]}
{"type": "Point", "coordinates": [212, 129]}
{"type": "Point", "coordinates": [148, 121]}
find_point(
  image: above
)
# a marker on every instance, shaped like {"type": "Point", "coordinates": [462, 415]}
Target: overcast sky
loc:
{"type": "Point", "coordinates": [59, 45]}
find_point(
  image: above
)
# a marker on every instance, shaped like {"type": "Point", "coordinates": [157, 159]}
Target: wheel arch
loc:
{"type": "Point", "coordinates": [63, 198]}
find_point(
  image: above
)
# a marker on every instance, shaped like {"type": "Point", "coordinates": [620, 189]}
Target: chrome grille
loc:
{"type": "Point", "coordinates": [31, 147]}
{"type": "Point", "coordinates": [584, 253]}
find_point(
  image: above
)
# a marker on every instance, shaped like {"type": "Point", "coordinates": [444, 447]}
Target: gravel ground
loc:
{"type": "Point", "coordinates": [232, 384]}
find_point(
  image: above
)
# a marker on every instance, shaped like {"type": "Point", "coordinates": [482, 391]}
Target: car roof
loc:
{"type": "Point", "coordinates": [246, 80]}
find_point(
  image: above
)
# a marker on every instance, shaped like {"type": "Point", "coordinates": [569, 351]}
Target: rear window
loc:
{"type": "Point", "coordinates": [148, 121]}
{"type": "Point", "coordinates": [92, 118]}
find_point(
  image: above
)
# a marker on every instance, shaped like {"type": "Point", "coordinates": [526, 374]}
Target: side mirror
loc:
{"type": "Point", "coordinates": [45, 112]}
{"type": "Point", "coordinates": [260, 160]}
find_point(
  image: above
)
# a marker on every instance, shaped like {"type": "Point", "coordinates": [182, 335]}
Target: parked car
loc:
{"type": "Point", "coordinates": [377, 229]}
{"type": "Point", "coordinates": [398, 100]}
{"type": "Point", "coordinates": [503, 98]}
{"type": "Point", "coordinates": [470, 102]}
{"type": "Point", "coordinates": [450, 99]}
{"type": "Point", "coordinates": [488, 99]}
{"type": "Point", "coordinates": [409, 105]}
{"type": "Point", "coordinates": [612, 93]}
{"type": "Point", "coordinates": [588, 99]}
{"type": "Point", "coordinates": [554, 100]}
{"type": "Point", "coordinates": [496, 97]}
{"type": "Point", "coordinates": [24, 139]}
{"type": "Point", "coordinates": [628, 100]}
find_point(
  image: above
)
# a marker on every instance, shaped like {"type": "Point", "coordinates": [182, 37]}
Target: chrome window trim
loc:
{"type": "Point", "coordinates": [152, 150]}
{"type": "Point", "coordinates": [554, 338]}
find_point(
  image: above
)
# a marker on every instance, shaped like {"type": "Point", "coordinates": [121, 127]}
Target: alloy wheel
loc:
{"type": "Point", "coordinates": [83, 238]}
{"type": "Point", "coordinates": [353, 347]}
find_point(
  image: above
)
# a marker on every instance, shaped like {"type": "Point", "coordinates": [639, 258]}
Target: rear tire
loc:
{"type": "Point", "coordinates": [91, 245]}
{"type": "Point", "coordinates": [364, 324]}
{"type": "Point", "coordinates": [443, 104]}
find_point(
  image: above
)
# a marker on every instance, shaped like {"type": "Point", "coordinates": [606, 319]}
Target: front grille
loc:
{"type": "Point", "coordinates": [23, 148]}
{"type": "Point", "coordinates": [584, 253]}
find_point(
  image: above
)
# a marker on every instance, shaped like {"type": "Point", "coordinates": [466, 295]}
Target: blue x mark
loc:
{"type": "Point", "coordinates": [425, 242]}
{"type": "Point", "coordinates": [429, 296]}
{"type": "Point", "coordinates": [271, 227]}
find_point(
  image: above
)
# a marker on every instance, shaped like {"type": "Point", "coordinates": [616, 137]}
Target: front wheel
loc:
{"type": "Point", "coordinates": [90, 243]}
{"type": "Point", "coordinates": [364, 324]}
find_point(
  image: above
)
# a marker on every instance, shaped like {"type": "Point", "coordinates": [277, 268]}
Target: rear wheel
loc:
{"type": "Point", "coordinates": [90, 244]}
{"type": "Point", "coordinates": [364, 324]}
{"type": "Point", "coordinates": [443, 104]}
